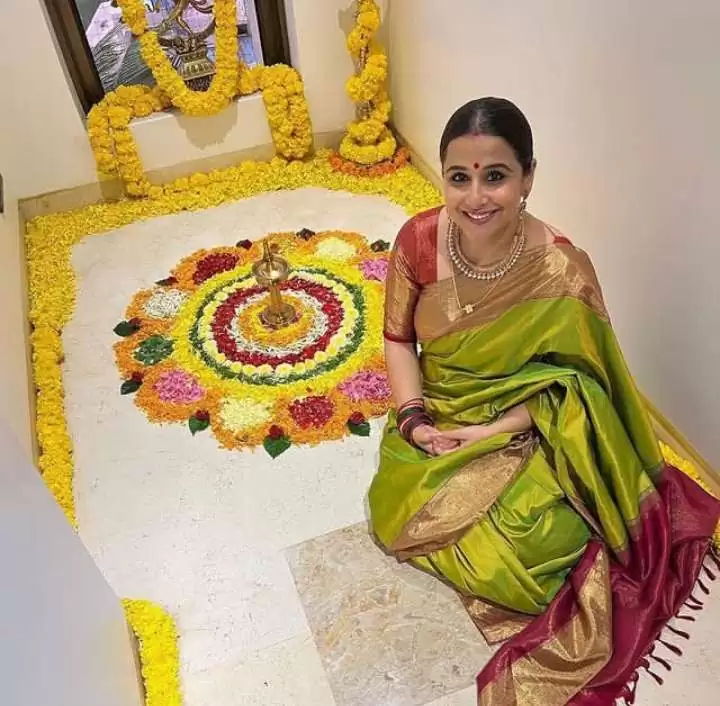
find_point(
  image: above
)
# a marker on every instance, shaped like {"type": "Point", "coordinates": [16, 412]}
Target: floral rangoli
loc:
{"type": "Point", "coordinates": [195, 350]}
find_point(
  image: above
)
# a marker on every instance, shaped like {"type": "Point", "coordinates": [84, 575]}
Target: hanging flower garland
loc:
{"type": "Point", "coordinates": [224, 82]}
{"type": "Point", "coordinates": [369, 140]}
{"type": "Point", "coordinates": [194, 348]}
{"type": "Point", "coordinates": [285, 104]}
{"type": "Point", "coordinates": [116, 152]}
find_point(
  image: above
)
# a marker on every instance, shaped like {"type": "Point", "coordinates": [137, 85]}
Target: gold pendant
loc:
{"type": "Point", "coordinates": [468, 308]}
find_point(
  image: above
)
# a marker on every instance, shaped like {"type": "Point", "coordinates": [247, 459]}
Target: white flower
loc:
{"type": "Point", "coordinates": [164, 303]}
{"type": "Point", "coordinates": [335, 249]}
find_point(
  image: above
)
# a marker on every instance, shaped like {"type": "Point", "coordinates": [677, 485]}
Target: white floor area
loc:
{"type": "Point", "coordinates": [175, 519]}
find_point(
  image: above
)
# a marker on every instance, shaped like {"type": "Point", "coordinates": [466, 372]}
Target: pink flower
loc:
{"type": "Point", "coordinates": [366, 385]}
{"type": "Point", "coordinates": [375, 269]}
{"type": "Point", "coordinates": [178, 387]}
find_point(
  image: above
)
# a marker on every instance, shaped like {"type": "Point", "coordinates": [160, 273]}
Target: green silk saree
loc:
{"type": "Point", "coordinates": [536, 531]}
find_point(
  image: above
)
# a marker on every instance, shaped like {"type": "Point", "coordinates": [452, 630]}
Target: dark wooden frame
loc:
{"type": "Point", "coordinates": [272, 25]}
{"type": "Point", "coordinates": [65, 20]}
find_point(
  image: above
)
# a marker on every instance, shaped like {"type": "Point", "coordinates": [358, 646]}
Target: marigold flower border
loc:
{"type": "Point", "coordinates": [52, 282]}
{"type": "Point", "coordinates": [159, 652]}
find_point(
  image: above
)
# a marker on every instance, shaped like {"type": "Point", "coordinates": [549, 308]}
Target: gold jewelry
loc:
{"type": "Point", "coordinates": [468, 309]}
{"type": "Point", "coordinates": [487, 274]}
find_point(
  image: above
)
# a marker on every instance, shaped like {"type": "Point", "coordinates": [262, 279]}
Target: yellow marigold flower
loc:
{"type": "Point", "coordinates": [368, 140]}
{"type": "Point", "coordinates": [159, 653]}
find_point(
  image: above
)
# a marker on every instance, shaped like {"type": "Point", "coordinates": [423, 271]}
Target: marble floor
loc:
{"type": "Point", "coordinates": [279, 594]}
{"type": "Point", "coordinates": [386, 634]}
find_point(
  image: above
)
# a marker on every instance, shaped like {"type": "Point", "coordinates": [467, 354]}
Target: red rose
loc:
{"type": "Point", "coordinates": [135, 322]}
{"type": "Point", "coordinates": [357, 418]}
{"type": "Point", "coordinates": [137, 377]}
{"type": "Point", "coordinates": [276, 432]}
{"type": "Point", "coordinates": [312, 412]}
{"type": "Point", "coordinates": [202, 415]}
{"type": "Point", "coordinates": [214, 264]}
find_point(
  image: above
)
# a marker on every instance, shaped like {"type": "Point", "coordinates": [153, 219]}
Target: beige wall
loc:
{"type": "Point", "coordinates": [624, 98]}
{"type": "Point", "coordinates": [14, 380]}
{"type": "Point", "coordinates": [65, 640]}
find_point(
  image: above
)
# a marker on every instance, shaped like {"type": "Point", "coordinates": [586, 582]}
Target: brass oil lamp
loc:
{"type": "Point", "coordinates": [271, 272]}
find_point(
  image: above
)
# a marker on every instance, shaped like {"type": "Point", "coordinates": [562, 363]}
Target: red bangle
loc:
{"type": "Point", "coordinates": [412, 422]}
{"type": "Point", "coordinates": [414, 402]}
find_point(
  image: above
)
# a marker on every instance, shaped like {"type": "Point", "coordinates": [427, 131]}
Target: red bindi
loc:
{"type": "Point", "coordinates": [476, 166]}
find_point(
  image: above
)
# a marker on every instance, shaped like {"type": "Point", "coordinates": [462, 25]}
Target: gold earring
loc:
{"type": "Point", "coordinates": [523, 205]}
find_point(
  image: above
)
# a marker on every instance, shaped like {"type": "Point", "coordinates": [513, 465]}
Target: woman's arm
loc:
{"type": "Point", "coordinates": [514, 421]}
{"type": "Point", "coordinates": [402, 292]}
{"type": "Point", "coordinates": [403, 370]}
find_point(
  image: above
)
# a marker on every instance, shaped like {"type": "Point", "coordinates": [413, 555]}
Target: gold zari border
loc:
{"type": "Point", "coordinates": [550, 675]}
{"type": "Point", "coordinates": [463, 500]}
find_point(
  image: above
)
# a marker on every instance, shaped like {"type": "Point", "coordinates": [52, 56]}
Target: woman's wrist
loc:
{"type": "Point", "coordinates": [410, 416]}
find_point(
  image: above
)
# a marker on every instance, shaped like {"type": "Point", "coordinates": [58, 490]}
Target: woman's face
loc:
{"type": "Point", "coordinates": [483, 184]}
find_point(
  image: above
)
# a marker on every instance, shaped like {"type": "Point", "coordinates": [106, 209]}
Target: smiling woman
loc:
{"type": "Point", "coordinates": [101, 53]}
{"type": "Point", "coordinates": [521, 466]}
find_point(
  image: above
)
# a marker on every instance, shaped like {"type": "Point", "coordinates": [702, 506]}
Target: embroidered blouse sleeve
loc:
{"type": "Point", "coordinates": [402, 289]}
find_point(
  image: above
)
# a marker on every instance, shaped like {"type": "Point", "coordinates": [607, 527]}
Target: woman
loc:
{"type": "Point", "coordinates": [521, 467]}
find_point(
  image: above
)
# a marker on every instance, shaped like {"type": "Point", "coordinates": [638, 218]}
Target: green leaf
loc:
{"type": "Point", "coordinates": [275, 447]}
{"type": "Point", "coordinates": [154, 349]}
{"type": "Point", "coordinates": [196, 425]}
{"type": "Point", "coordinates": [125, 329]}
{"type": "Point", "coordinates": [380, 246]}
{"type": "Point", "coordinates": [359, 429]}
{"type": "Point", "coordinates": [129, 387]}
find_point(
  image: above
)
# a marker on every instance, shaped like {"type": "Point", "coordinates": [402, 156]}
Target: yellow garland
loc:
{"type": "Point", "coordinates": [368, 140]}
{"type": "Point", "coordinates": [116, 152]}
{"type": "Point", "coordinates": [52, 285]}
{"type": "Point", "coordinates": [285, 104]}
{"type": "Point", "coordinates": [111, 138]}
{"type": "Point", "coordinates": [224, 82]}
{"type": "Point", "coordinates": [157, 636]}
{"type": "Point", "coordinates": [115, 149]}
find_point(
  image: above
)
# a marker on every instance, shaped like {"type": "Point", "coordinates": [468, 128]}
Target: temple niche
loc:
{"type": "Point", "coordinates": [187, 24]}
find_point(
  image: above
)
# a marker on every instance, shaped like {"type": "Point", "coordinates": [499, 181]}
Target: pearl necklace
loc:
{"type": "Point", "coordinates": [474, 272]}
